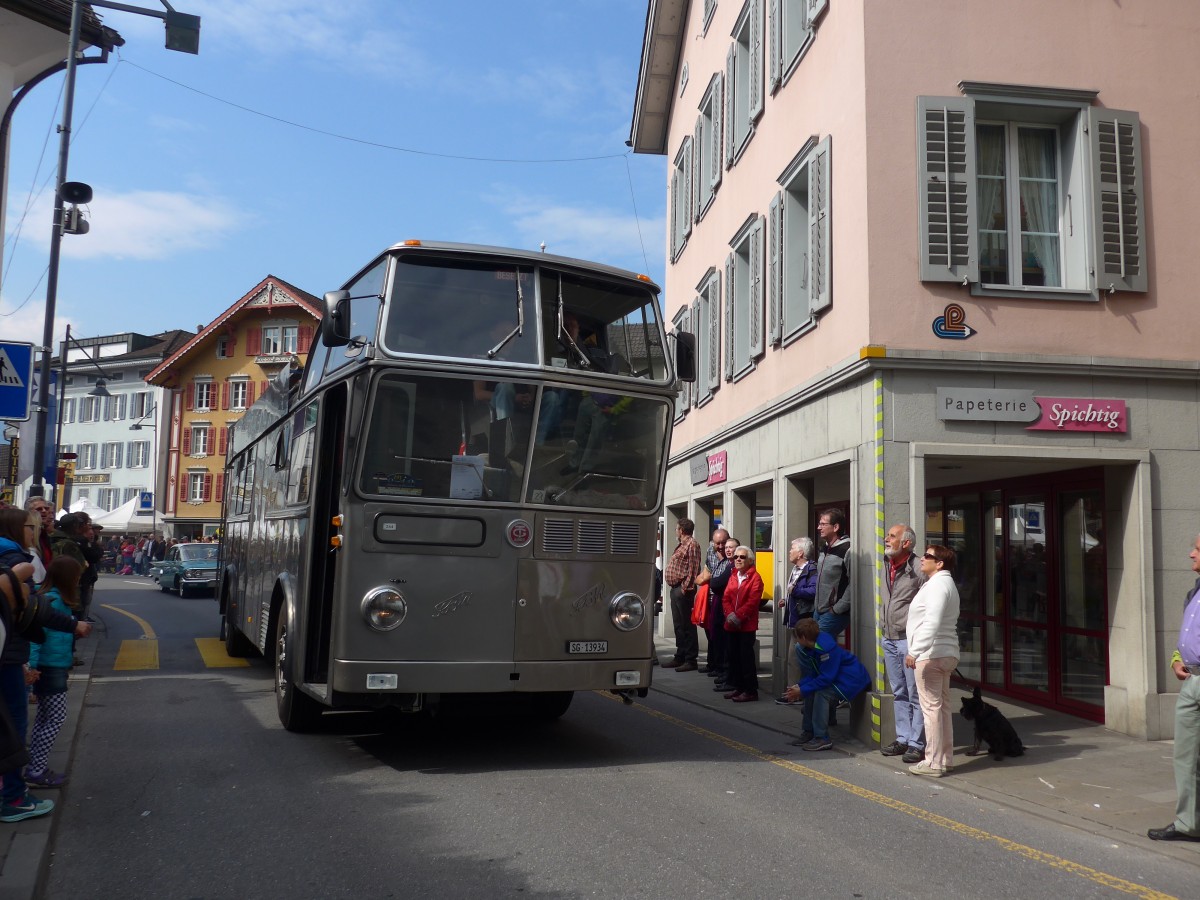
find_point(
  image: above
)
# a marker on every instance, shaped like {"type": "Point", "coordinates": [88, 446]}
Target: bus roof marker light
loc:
{"type": "Point", "coordinates": [412, 242]}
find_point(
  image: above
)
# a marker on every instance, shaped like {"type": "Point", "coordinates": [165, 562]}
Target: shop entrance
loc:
{"type": "Point", "coordinates": [1032, 578]}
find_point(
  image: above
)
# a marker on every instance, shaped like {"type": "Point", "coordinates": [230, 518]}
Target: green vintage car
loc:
{"type": "Point", "coordinates": [188, 568]}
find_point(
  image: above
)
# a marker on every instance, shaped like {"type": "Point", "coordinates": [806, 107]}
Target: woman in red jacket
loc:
{"type": "Point", "coordinates": [740, 602]}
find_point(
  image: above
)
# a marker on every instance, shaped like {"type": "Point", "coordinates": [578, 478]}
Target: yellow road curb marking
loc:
{"type": "Point", "coordinates": [147, 628]}
{"type": "Point", "coordinates": [134, 655]}
{"type": "Point", "coordinates": [212, 650]}
{"type": "Point", "coordinates": [1031, 853]}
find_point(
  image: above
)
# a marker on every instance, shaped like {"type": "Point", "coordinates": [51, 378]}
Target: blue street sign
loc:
{"type": "Point", "coordinates": [16, 381]}
{"type": "Point", "coordinates": [145, 501]}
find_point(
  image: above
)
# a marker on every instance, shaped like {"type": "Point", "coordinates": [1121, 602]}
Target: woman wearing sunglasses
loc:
{"type": "Point", "coordinates": [933, 652]}
{"type": "Point", "coordinates": [740, 602]}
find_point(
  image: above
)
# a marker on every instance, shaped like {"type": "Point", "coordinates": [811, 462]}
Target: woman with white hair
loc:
{"type": "Point", "coordinates": [740, 603]}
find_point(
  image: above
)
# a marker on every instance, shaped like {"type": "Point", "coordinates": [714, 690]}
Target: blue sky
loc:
{"type": "Point", "coordinates": [197, 200]}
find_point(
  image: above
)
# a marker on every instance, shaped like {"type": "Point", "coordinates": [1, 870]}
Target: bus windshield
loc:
{"type": "Point", "coordinates": [462, 308]}
{"type": "Point", "coordinates": [439, 438]}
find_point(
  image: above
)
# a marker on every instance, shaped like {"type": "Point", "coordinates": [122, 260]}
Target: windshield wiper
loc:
{"type": "Point", "coordinates": [562, 332]}
{"type": "Point", "coordinates": [520, 329]}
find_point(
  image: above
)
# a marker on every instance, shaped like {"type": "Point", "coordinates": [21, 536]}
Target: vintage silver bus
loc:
{"type": "Point", "coordinates": [458, 494]}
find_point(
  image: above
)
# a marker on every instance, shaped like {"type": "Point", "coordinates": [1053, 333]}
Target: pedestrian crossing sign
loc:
{"type": "Point", "coordinates": [16, 381]}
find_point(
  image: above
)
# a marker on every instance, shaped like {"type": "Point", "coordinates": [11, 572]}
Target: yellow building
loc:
{"type": "Point", "coordinates": [211, 381]}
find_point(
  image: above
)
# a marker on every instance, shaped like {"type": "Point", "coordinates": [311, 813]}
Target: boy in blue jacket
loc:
{"type": "Point", "coordinates": [829, 674]}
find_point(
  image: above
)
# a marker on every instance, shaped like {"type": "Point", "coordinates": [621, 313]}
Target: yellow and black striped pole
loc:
{"type": "Point", "coordinates": [880, 531]}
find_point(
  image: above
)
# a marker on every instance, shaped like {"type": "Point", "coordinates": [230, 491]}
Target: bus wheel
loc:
{"type": "Point", "coordinates": [550, 706]}
{"type": "Point", "coordinates": [297, 711]}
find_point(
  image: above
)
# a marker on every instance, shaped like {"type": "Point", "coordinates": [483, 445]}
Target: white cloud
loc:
{"type": "Point", "coordinates": [587, 232]}
{"type": "Point", "coordinates": [142, 225]}
{"type": "Point", "coordinates": [26, 324]}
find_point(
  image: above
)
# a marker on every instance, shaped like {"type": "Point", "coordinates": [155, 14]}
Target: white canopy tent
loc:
{"type": "Point", "coordinates": [83, 506]}
{"type": "Point", "coordinates": [124, 518]}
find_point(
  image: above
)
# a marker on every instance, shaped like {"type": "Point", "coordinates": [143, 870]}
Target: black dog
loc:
{"type": "Point", "coordinates": [990, 726]}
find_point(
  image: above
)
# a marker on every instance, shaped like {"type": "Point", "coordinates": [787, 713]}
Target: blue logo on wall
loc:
{"type": "Point", "coordinates": [952, 324]}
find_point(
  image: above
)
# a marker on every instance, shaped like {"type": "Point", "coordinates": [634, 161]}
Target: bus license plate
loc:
{"type": "Point", "coordinates": [587, 646]}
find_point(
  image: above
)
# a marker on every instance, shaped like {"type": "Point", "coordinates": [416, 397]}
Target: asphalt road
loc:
{"type": "Point", "coordinates": [183, 785]}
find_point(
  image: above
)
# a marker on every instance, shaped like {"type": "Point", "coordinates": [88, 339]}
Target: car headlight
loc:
{"type": "Point", "coordinates": [627, 611]}
{"type": "Point", "coordinates": [384, 608]}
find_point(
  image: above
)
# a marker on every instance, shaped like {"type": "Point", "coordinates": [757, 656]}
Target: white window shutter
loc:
{"type": "Point", "coordinates": [718, 119]}
{"type": "Point", "coordinates": [730, 97]}
{"type": "Point", "coordinates": [756, 289]}
{"type": "Point", "coordinates": [688, 194]}
{"type": "Point", "coordinates": [118, 456]}
{"type": "Point", "coordinates": [816, 9]}
{"type": "Point", "coordinates": [674, 213]}
{"type": "Point", "coordinates": [699, 179]}
{"type": "Point", "coordinates": [776, 42]}
{"type": "Point", "coordinates": [714, 332]}
{"type": "Point", "coordinates": [1118, 200]}
{"type": "Point", "coordinates": [775, 271]}
{"type": "Point", "coordinates": [946, 163]}
{"type": "Point", "coordinates": [730, 303]}
{"type": "Point", "coordinates": [819, 201]}
{"type": "Point", "coordinates": [756, 60]}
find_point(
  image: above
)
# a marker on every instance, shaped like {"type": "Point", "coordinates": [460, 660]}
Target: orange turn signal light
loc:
{"type": "Point", "coordinates": [335, 541]}
{"type": "Point", "coordinates": [337, 521]}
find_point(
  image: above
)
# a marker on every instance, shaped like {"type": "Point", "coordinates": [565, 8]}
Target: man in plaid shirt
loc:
{"type": "Point", "coordinates": [682, 569]}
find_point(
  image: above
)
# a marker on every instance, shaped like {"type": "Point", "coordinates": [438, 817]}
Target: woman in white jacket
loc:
{"type": "Point", "coordinates": [933, 652]}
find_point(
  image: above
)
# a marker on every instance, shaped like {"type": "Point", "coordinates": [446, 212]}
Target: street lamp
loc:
{"type": "Point", "coordinates": [182, 34]}
{"type": "Point", "coordinates": [138, 426]}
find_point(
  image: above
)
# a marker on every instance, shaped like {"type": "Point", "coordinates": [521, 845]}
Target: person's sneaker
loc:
{"type": "Point", "coordinates": [895, 748]}
{"type": "Point", "coordinates": [923, 768]}
{"type": "Point", "coordinates": [817, 744]}
{"type": "Point", "coordinates": [47, 778]}
{"type": "Point", "coordinates": [28, 807]}
{"type": "Point", "coordinates": [784, 701]}
{"type": "Point", "coordinates": [686, 667]}
{"type": "Point", "coordinates": [913, 755]}
{"type": "Point", "coordinates": [805, 737]}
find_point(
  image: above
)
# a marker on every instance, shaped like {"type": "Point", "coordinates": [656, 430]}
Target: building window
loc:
{"type": "Point", "coordinates": [197, 487]}
{"type": "Point", "coordinates": [793, 25]}
{"type": "Point", "coordinates": [224, 347]}
{"type": "Point", "coordinates": [1030, 191]}
{"type": "Point", "coordinates": [108, 498]}
{"type": "Point", "coordinates": [91, 409]}
{"type": "Point", "coordinates": [706, 326]}
{"type": "Point", "coordinates": [68, 411]}
{"type": "Point", "coordinates": [710, 7]}
{"type": "Point", "coordinates": [205, 395]}
{"type": "Point", "coordinates": [140, 405]}
{"type": "Point", "coordinates": [744, 299]}
{"type": "Point", "coordinates": [201, 441]}
{"type": "Point", "coordinates": [681, 198]}
{"type": "Point", "coordinates": [238, 392]}
{"type": "Point", "coordinates": [798, 253]}
{"type": "Point", "coordinates": [708, 144]}
{"type": "Point", "coordinates": [86, 458]}
{"type": "Point", "coordinates": [290, 338]}
{"type": "Point", "coordinates": [131, 493]}
{"type": "Point", "coordinates": [682, 322]}
{"type": "Point", "coordinates": [743, 80]}
{"type": "Point", "coordinates": [272, 340]}
{"type": "Point", "coordinates": [110, 455]}
{"type": "Point", "coordinates": [115, 407]}
{"type": "Point", "coordinates": [139, 454]}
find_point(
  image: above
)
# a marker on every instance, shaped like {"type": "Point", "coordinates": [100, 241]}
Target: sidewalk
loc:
{"type": "Point", "coordinates": [1074, 771]}
{"type": "Point", "coordinates": [25, 846]}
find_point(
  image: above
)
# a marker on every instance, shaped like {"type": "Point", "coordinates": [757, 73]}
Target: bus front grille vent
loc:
{"type": "Point", "coordinates": [625, 538]}
{"type": "Point", "coordinates": [558, 536]}
{"type": "Point", "coordinates": [593, 537]}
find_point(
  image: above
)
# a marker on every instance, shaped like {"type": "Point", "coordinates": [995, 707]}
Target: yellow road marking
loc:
{"type": "Point", "coordinates": [1049, 859]}
{"type": "Point", "coordinates": [147, 628]}
{"type": "Point", "coordinates": [212, 650]}
{"type": "Point", "coordinates": [139, 654]}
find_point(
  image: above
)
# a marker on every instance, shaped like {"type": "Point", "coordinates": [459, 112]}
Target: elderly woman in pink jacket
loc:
{"type": "Point", "coordinates": [933, 652]}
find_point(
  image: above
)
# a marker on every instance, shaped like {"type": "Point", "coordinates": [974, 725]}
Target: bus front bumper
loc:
{"type": "Point", "coordinates": [382, 677]}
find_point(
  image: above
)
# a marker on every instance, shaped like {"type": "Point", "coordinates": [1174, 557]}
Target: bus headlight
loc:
{"type": "Point", "coordinates": [384, 608]}
{"type": "Point", "coordinates": [627, 611]}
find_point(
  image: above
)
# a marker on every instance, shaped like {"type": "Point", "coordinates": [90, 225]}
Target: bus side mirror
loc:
{"type": "Point", "coordinates": [685, 355]}
{"type": "Point", "coordinates": [335, 330]}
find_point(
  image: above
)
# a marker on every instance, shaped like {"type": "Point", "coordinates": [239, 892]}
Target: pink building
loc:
{"type": "Point", "coordinates": [920, 245]}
